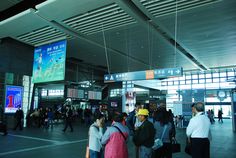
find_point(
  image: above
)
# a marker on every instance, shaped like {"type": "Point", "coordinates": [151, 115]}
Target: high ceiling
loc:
{"type": "Point", "coordinates": [130, 35]}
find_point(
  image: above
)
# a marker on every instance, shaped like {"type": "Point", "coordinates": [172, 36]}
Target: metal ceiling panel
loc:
{"type": "Point", "coordinates": [208, 32]}
{"type": "Point", "coordinates": [101, 19]}
{"type": "Point", "coordinates": [60, 10]}
{"type": "Point", "coordinates": [31, 29]}
{"type": "Point", "coordinates": [165, 7]}
{"type": "Point", "coordinates": [20, 24]}
{"type": "Point", "coordinates": [42, 35]}
{"type": "Point", "coordinates": [5, 4]}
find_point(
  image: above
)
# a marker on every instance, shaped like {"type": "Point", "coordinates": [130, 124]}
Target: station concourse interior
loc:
{"type": "Point", "coordinates": [112, 54]}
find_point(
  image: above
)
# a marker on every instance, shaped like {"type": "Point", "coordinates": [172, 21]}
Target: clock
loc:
{"type": "Point", "coordinates": [221, 94]}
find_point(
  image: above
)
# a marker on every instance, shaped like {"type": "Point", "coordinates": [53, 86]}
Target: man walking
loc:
{"type": "Point", "coordinates": [68, 119]}
{"type": "Point", "coordinates": [198, 132]}
{"type": "Point", "coordinates": [19, 116]}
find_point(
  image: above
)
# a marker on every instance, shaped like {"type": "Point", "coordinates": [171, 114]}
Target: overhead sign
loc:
{"type": "Point", "coordinates": [144, 75]}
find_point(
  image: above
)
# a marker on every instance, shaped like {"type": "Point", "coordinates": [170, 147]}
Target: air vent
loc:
{"type": "Point", "coordinates": [165, 7]}
{"type": "Point", "coordinates": [42, 35]}
{"type": "Point", "coordinates": [105, 18]}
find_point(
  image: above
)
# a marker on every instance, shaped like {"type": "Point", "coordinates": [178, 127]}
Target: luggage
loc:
{"type": "Point", "coordinates": [176, 148]}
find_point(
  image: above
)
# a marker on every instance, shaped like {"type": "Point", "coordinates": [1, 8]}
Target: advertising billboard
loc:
{"type": "Point", "coordinates": [49, 62]}
{"type": "Point", "coordinates": [13, 98]}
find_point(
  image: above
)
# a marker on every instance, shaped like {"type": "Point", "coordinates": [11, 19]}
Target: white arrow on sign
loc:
{"type": "Point", "coordinates": [177, 71]}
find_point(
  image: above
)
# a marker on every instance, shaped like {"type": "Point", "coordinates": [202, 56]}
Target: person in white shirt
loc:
{"type": "Point", "coordinates": [95, 136]}
{"type": "Point", "coordinates": [198, 132]}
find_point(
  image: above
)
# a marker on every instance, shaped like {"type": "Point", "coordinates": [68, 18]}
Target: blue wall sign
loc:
{"type": "Point", "coordinates": [13, 98]}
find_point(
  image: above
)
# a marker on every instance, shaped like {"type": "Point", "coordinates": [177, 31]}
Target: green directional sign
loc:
{"type": "Point", "coordinates": [144, 75]}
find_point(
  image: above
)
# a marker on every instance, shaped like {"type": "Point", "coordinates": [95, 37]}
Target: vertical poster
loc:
{"type": "Point", "coordinates": [13, 98]}
{"type": "Point", "coordinates": [49, 62]}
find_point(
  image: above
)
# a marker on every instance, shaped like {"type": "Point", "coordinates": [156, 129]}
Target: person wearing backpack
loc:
{"type": "Point", "coordinates": [115, 139]}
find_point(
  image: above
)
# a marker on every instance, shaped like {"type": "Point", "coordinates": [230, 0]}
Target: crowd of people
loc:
{"type": "Point", "coordinates": [109, 132]}
{"type": "Point", "coordinates": [142, 125]}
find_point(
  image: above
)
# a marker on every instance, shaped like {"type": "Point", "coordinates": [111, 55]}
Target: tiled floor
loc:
{"type": "Point", "coordinates": [42, 143]}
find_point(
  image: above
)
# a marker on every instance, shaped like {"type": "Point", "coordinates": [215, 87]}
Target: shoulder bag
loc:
{"type": "Point", "coordinates": [158, 142]}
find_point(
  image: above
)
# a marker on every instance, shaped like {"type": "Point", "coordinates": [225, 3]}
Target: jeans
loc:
{"type": "Point", "coordinates": [95, 154]}
{"type": "Point", "coordinates": [145, 152]}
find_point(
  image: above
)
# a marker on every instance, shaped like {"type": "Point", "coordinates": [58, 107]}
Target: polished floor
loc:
{"type": "Point", "coordinates": [53, 143]}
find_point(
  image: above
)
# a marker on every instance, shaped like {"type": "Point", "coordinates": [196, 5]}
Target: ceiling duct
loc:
{"type": "Point", "coordinates": [104, 18]}
{"type": "Point", "coordinates": [165, 7]}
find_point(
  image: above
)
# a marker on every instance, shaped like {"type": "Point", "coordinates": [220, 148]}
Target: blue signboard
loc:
{"type": "Point", "coordinates": [49, 62]}
{"type": "Point", "coordinates": [13, 98]}
{"type": "Point", "coordinates": [144, 75]}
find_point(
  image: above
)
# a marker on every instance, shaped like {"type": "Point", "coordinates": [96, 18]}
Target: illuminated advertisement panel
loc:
{"type": "Point", "coordinates": [13, 98]}
{"type": "Point", "coordinates": [49, 62]}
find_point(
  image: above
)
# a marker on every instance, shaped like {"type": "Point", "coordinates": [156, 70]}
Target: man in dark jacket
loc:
{"type": "Point", "coordinates": [144, 135]}
{"type": "Point", "coordinates": [68, 119]}
{"type": "Point", "coordinates": [19, 115]}
{"type": "Point", "coordinates": [3, 126]}
{"type": "Point", "coordinates": [131, 119]}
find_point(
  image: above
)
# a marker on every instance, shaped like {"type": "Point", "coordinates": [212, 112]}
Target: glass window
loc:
{"type": "Point", "coordinates": [172, 88]}
{"type": "Point", "coordinates": [222, 79]}
{"type": "Point", "coordinates": [208, 80]}
{"type": "Point", "coordinates": [182, 78]}
{"type": "Point", "coordinates": [44, 93]}
{"type": "Point", "coordinates": [188, 81]}
{"type": "Point", "coordinates": [194, 76]}
{"type": "Point", "coordinates": [201, 80]}
{"type": "Point", "coordinates": [216, 80]}
{"type": "Point", "coordinates": [188, 77]}
{"type": "Point", "coordinates": [215, 74]}
{"type": "Point", "coordinates": [185, 86]}
{"type": "Point", "coordinates": [163, 83]}
{"type": "Point", "coordinates": [170, 83]}
{"type": "Point", "coordinates": [208, 75]}
{"type": "Point", "coordinates": [201, 75]}
{"type": "Point", "coordinates": [195, 81]}
{"type": "Point", "coordinates": [198, 86]}
{"type": "Point", "coordinates": [175, 78]}
{"type": "Point", "coordinates": [176, 82]}
{"type": "Point", "coordinates": [230, 73]}
{"type": "Point", "coordinates": [182, 82]}
{"type": "Point", "coordinates": [223, 74]}
{"type": "Point", "coordinates": [212, 85]}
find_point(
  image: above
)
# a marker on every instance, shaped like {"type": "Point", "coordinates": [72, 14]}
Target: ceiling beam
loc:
{"type": "Point", "coordinates": [135, 9]}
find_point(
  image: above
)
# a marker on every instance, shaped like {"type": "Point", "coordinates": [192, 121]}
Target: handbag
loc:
{"type": "Point", "coordinates": [158, 142]}
{"type": "Point", "coordinates": [175, 146]}
{"type": "Point", "coordinates": [87, 152]}
{"type": "Point", "coordinates": [188, 148]}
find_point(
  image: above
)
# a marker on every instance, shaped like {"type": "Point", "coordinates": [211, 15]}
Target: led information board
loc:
{"type": "Point", "coordinates": [13, 98]}
{"type": "Point", "coordinates": [144, 75]}
{"type": "Point", "coordinates": [49, 62]}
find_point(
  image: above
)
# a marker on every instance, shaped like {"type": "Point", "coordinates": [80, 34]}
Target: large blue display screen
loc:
{"type": "Point", "coordinates": [49, 62]}
{"type": "Point", "coordinates": [13, 98]}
